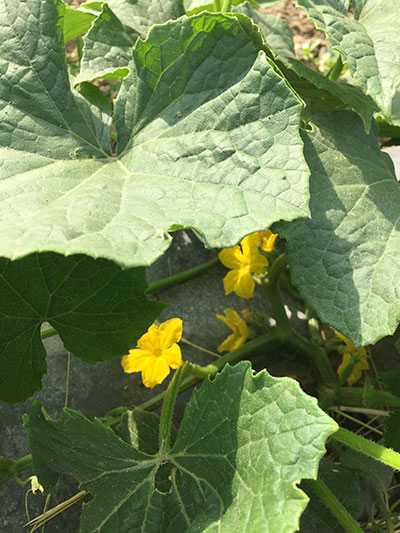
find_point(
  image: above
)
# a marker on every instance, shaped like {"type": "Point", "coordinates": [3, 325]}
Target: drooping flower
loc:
{"type": "Point", "coordinates": [156, 351]}
{"type": "Point", "coordinates": [35, 485]}
{"type": "Point", "coordinates": [243, 260]}
{"type": "Point", "coordinates": [348, 358]}
{"type": "Point", "coordinates": [239, 327]}
{"type": "Point", "coordinates": [268, 240]}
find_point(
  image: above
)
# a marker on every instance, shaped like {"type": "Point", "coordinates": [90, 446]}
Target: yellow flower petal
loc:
{"type": "Point", "coordinates": [173, 356]}
{"type": "Point", "coordinates": [232, 257]}
{"type": "Point", "coordinates": [239, 281]}
{"type": "Point", "coordinates": [361, 364]}
{"type": "Point", "coordinates": [268, 241]}
{"type": "Point", "coordinates": [239, 327]}
{"type": "Point", "coordinates": [150, 340]}
{"type": "Point", "coordinates": [155, 373]}
{"type": "Point", "coordinates": [170, 332]}
{"type": "Point", "coordinates": [156, 351]}
{"type": "Point", "coordinates": [136, 360]}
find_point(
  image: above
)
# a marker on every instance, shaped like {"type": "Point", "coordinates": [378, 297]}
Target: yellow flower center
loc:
{"type": "Point", "coordinates": [158, 352]}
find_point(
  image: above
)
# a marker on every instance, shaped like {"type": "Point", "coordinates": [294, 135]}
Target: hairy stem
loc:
{"type": "Point", "coordinates": [333, 504]}
{"type": "Point", "coordinates": [368, 447]}
{"type": "Point", "coordinates": [168, 409]}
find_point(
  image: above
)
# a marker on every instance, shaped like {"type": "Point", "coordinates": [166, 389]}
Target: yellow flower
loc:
{"type": "Point", "coordinates": [244, 260]}
{"type": "Point", "coordinates": [35, 485]}
{"type": "Point", "coordinates": [239, 327]}
{"type": "Point", "coordinates": [348, 357]}
{"type": "Point", "coordinates": [268, 240]}
{"type": "Point", "coordinates": [156, 351]}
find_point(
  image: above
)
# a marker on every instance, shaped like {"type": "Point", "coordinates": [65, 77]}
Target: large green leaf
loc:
{"type": "Point", "coordinates": [107, 48]}
{"type": "Point", "coordinates": [244, 443]}
{"type": "Point", "coordinates": [204, 122]}
{"type": "Point", "coordinates": [323, 94]}
{"type": "Point", "coordinates": [98, 309]}
{"type": "Point", "coordinates": [369, 42]}
{"type": "Point", "coordinates": [345, 258]}
{"type": "Point", "coordinates": [276, 30]}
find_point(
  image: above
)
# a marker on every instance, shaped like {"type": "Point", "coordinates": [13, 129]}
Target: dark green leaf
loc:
{"type": "Point", "coordinates": [98, 309]}
{"type": "Point", "coordinates": [244, 443]}
{"type": "Point", "coordinates": [373, 477]}
{"type": "Point", "coordinates": [392, 431]}
{"type": "Point", "coordinates": [140, 429]}
{"type": "Point", "coordinates": [344, 485]}
{"type": "Point", "coordinates": [322, 94]}
{"type": "Point", "coordinates": [391, 380]}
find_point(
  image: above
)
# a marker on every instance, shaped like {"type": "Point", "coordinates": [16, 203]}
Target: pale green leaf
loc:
{"type": "Point", "coordinates": [98, 310]}
{"type": "Point", "coordinates": [244, 444]}
{"type": "Point", "coordinates": [107, 48]}
{"type": "Point", "coordinates": [369, 42]}
{"type": "Point", "coordinates": [76, 22]}
{"type": "Point", "coordinates": [203, 122]}
{"type": "Point", "coordinates": [345, 258]}
{"type": "Point", "coordinates": [276, 30]}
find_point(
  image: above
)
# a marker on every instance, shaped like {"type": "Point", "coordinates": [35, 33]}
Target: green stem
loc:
{"type": "Point", "coordinates": [313, 326]}
{"type": "Point", "coordinates": [270, 284]}
{"type": "Point", "coordinates": [294, 293]}
{"type": "Point", "coordinates": [385, 513]}
{"type": "Point", "coordinates": [336, 69]}
{"type": "Point", "coordinates": [270, 341]}
{"type": "Point", "coordinates": [168, 409]}
{"type": "Point", "coordinates": [226, 6]}
{"type": "Point", "coordinates": [355, 396]}
{"type": "Point", "coordinates": [368, 447]}
{"type": "Point", "coordinates": [217, 5]}
{"type": "Point", "coordinates": [333, 504]}
{"type": "Point", "coordinates": [161, 284]}
{"type": "Point", "coordinates": [182, 276]}
{"type": "Point", "coordinates": [315, 356]}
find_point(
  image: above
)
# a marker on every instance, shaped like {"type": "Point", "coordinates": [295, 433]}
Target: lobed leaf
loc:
{"type": "Point", "coordinates": [107, 49]}
{"type": "Point", "coordinates": [98, 310]}
{"type": "Point", "coordinates": [369, 42]}
{"type": "Point", "coordinates": [204, 121]}
{"type": "Point", "coordinates": [244, 443]}
{"type": "Point", "coordinates": [345, 258]}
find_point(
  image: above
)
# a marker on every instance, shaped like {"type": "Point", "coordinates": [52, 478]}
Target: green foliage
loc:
{"type": "Point", "coordinates": [369, 42]}
{"type": "Point", "coordinates": [344, 258]}
{"type": "Point", "coordinates": [233, 467]}
{"type": "Point", "coordinates": [216, 127]}
{"type": "Point", "coordinates": [98, 309]}
{"type": "Point", "coordinates": [344, 485]}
